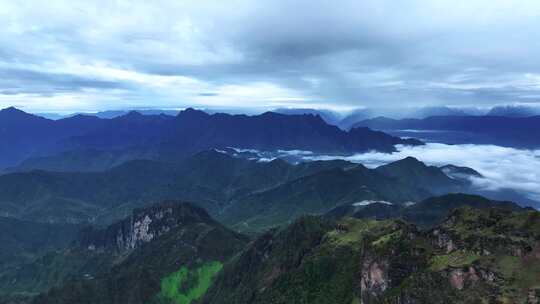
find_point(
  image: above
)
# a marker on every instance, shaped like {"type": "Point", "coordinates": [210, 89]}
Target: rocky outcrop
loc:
{"type": "Point", "coordinates": [143, 226]}
{"type": "Point", "coordinates": [374, 280]}
{"type": "Point", "coordinates": [533, 297]}
{"type": "Point", "coordinates": [461, 278]}
{"type": "Point", "coordinates": [443, 240]}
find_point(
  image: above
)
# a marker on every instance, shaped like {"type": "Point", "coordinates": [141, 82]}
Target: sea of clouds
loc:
{"type": "Point", "coordinates": [502, 168]}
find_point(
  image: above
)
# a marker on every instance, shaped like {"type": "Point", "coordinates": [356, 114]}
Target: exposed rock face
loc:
{"type": "Point", "coordinates": [374, 280]}
{"type": "Point", "coordinates": [143, 226]}
{"type": "Point", "coordinates": [444, 241]}
{"type": "Point", "coordinates": [459, 278]}
{"type": "Point", "coordinates": [534, 296]}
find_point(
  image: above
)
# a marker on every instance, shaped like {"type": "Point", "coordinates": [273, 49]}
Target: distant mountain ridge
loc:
{"type": "Point", "coordinates": [498, 130]}
{"type": "Point", "coordinates": [347, 120]}
{"type": "Point", "coordinates": [330, 117]}
{"type": "Point", "coordinates": [514, 111]}
{"type": "Point", "coordinates": [109, 114]}
{"type": "Point", "coordinates": [134, 135]}
{"type": "Point", "coordinates": [271, 131]}
{"type": "Point", "coordinates": [24, 135]}
{"type": "Point", "coordinates": [426, 213]}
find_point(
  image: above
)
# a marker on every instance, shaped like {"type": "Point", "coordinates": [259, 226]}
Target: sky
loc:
{"type": "Point", "coordinates": [68, 56]}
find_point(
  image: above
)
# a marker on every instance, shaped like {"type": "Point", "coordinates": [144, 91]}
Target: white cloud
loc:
{"type": "Point", "coordinates": [502, 167]}
{"type": "Point", "coordinates": [272, 53]}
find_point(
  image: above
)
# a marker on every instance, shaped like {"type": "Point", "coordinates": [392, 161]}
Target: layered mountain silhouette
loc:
{"type": "Point", "coordinates": [135, 136]}
{"type": "Point", "coordinates": [194, 208]}
{"type": "Point", "coordinates": [330, 117]}
{"type": "Point", "coordinates": [211, 178]}
{"type": "Point", "coordinates": [247, 194]}
{"type": "Point", "coordinates": [498, 130]}
{"type": "Point", "coordinates": [24, 135]}
{"type": "Point", "coordinates": [514, 111]}
{"type": "Point", "coordinates": [426, 213]}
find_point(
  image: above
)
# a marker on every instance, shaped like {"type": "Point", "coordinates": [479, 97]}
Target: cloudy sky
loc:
{"type": "Point", "coordinates": [65, 56]}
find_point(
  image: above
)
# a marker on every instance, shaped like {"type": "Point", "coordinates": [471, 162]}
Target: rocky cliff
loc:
{"type": "Point", "coordinates": [143, 226]}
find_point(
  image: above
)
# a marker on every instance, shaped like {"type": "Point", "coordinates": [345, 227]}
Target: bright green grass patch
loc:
{"type": "Point", "coordinates": [454, 259]}
{"type": "Point", "coordinates": [184, 285]}
{"type": "Point", "coordinates": [356, 230]}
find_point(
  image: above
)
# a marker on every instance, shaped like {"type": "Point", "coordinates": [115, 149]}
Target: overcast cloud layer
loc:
{"type": "Point", "coordinates": [96, 55]}
{"type": "Point", "coordinates": [502, 168]}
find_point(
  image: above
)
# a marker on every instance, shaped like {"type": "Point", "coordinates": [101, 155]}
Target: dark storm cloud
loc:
{"type": "Point", "coordinates": [339, 54]}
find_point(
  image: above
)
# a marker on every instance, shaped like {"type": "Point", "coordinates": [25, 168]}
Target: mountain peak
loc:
{"type": "Point", "coordinates": [192, 113]}
{"type": "Point", "coordinates": [132, 114]}
{"type": "Point", "coordinates": [13, 111]}
{"type": "Point", "coordinates": [456, 171]}
{"type": "Point", "coordinates": [14, 115]}
{"type": "Point", "coordinates": [409, 161]}
{"type": "Point", "coordinates": [307, 116]}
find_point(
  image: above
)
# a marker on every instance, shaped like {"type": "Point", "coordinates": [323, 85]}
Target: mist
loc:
{"type": "Point", "coordinates": [502, 168]}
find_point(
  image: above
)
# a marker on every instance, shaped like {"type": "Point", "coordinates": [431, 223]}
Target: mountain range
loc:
{"type": "Point", "coordinates": [35, 142]}
{"type": "Point", "coordinates": [240, 192]}
{"type": "Point", "coordinates": [101, 236]}
{"type": "Point", "coordinates": [425, 214]}
{"type": "Point", "coordinates": [88, 143]}
{"type": "Point", "coordinates": [215, 208]}
{"type": "Point", "coordinates": [514, 111]}
{"type": "Point", "coordinates": [497, 130]}
{"type": "Point", "coordinates": [358, 116]}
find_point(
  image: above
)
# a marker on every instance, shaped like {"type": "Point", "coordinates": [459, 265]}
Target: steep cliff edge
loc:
{"type": "Point", "coordinates": [143, 226]}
